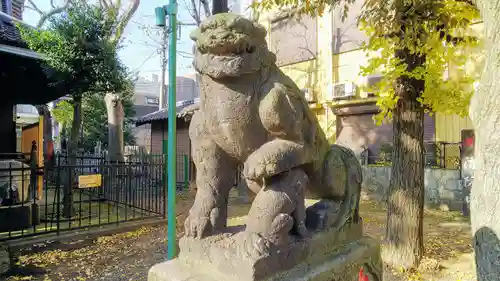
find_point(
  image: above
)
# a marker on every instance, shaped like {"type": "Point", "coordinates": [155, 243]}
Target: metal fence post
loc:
{"type": "Point", "coordinates": [58, 193]}
{"type": "Point", "coordinates": [445, 164]}
{"type": "Point", "coordinates": [186, 171]}
{"type": "Point", "coordinates": [33, 176]}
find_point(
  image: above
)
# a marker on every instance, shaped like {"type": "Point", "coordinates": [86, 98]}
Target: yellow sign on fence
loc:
{"type": "Point", "coordinates": [88, 181]}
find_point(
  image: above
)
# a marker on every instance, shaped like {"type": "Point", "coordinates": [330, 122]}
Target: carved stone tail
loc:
{"type": "Point", "coordinates": [349, 208]}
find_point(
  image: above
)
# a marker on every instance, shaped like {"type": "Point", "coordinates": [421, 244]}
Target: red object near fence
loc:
{"type": "Point", "coordinates": [50, 150]}
{"type": "Point", "coordinates": [362, 275]}
{"type": "Point", "coordinates": [469, 142]}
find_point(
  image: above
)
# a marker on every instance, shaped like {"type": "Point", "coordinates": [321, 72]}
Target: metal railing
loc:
{"type": "Point", "coordinates": [32, 204]}
{"type": "Point", "coordinates": [439, 155]}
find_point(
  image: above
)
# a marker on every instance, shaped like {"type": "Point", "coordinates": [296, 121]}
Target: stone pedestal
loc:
{"type": "Point", "coordinates": [329, 255]}
{"type": "Point", "coordinates": [15, 175]}
{"type": "Point", "coordinates": [18, 217]}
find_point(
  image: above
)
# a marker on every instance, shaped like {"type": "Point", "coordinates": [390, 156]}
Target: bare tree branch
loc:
{"type": "Point", "coordinates": [193, 11]}
{"type": "Point", "coordinates": [104, 4]}
{"type": "Point", "coordinates": [46, 16]}
{"type": "Point", "coordinates": [123, 20]}
{"type": "Point", "coordinates": [195, 8]}
{"type": "Point", "coordinates": [34, 7]}
{"type": "Point", "coordinates": [30, 8]}
{"type": "Point", "coordinates": [206, 7]}
{"type": "Point", "coordinates": [195, 14]}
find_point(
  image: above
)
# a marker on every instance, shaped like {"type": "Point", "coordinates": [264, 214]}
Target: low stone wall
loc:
{"type": "Point", "coordinates": [442, 187]}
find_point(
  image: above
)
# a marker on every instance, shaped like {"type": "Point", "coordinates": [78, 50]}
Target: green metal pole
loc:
{"type": "Point", "coordinates": [186, 171]}
{"type": "Point", "coordinates": [172, 120]}
{"type": "Point", "coordinates": [171, 11]}
{"type": "Point", "coordinates": [165, 172]}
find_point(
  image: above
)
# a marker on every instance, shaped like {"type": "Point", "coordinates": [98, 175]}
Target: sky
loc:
{"type": "Point", "coordinates": [140, 50]}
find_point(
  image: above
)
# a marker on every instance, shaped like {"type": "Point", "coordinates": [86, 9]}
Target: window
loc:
{"type": "Point", "coordinates": [7, 6]}
{"type": "Point", "coordinates": [152, 101]}
{"type": "Point", "coordinates": [294, 40]}
{"type": "Point", "coordinates": [17, 9]}
{"type": "Point", "coordinates": [347, 35]}
{"type": "Point", "coordinates": [371, 81]}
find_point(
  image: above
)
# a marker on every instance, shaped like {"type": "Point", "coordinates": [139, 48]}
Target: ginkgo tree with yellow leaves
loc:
{"type": "Point", "coordinates": [447, 42]}
{"type": "Point", "coordinates": [420, 48]}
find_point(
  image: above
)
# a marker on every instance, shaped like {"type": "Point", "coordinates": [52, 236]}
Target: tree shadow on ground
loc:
{"type": "Point", "coordinates": [487, 254]}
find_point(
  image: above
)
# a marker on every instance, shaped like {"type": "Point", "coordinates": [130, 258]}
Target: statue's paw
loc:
{"type": "Point", "coordinates": [254, 245]}
{"type": "Point", "coordinates": [197, 227]}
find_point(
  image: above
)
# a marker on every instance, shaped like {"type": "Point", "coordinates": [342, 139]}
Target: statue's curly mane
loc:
{"type": "Point", "coordinates": [229, 45]}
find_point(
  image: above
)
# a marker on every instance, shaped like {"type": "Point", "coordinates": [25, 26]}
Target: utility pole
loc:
{"type": "Point", "coordinates": [163, 53]}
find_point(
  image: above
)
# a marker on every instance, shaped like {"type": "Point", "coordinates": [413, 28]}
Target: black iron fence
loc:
{"type": "Point", "coordinates": [441, 155]}
{"type": "Point", "coordinates": [82, 193]}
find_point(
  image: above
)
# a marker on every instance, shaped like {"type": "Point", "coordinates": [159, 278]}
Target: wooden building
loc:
{"type": "Point", "coordinates": [159, 127]}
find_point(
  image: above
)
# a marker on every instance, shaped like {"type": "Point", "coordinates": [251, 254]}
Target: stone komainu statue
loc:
{"type": "Point", "coordinates": [252, 114]}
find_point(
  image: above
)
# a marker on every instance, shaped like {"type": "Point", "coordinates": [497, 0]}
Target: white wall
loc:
{"type": "Point", "coordinates": [146, 88]}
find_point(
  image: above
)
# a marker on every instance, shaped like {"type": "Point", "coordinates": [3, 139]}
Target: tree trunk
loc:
{"type": "Point", "coordinates": [63, 143]}
{"type": "Point", "coordinates": [404, 233]}
{"type": "Point", "coordinates": [115, 127]}
{"type": "Point", "coordinates": [75, 129]}
{"type": "Point", "coordinates": [485, 115]}
{"type": "Point", "coordinates": [68, 209]}
{"type": "Point", "coordinates": [48, 152]}
{"type": "Point", "coordinates": [219, 6]}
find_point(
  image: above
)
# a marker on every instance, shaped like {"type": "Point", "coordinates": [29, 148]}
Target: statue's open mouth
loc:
{"type": "Point", "coordinates": [231, 49]}
{"type": "Point", "coordinates": [235, 45]}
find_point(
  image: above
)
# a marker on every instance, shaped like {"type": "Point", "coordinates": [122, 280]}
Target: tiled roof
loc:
{"type": "Point", "coordinates": [185, 109]}
{"type": "Point", "coordinates": [9, 34]}
{"type": "Point", "coordinates": [141, 110]}
{"type": "Point", "coordinates": [25, 63]}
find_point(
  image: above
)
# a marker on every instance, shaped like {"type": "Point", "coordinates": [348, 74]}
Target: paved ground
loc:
{"type": "Point", "coordinates": [127, 257]}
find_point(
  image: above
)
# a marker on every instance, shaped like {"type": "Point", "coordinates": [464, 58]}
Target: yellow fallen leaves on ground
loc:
{"type": "Point", "coordinates": [447, 236]}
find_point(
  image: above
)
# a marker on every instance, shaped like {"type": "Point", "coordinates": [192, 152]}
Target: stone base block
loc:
{"type": "Point", "coordinates": [18, 217]}
{"type": "Point", "coordinates": [343, 264]}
